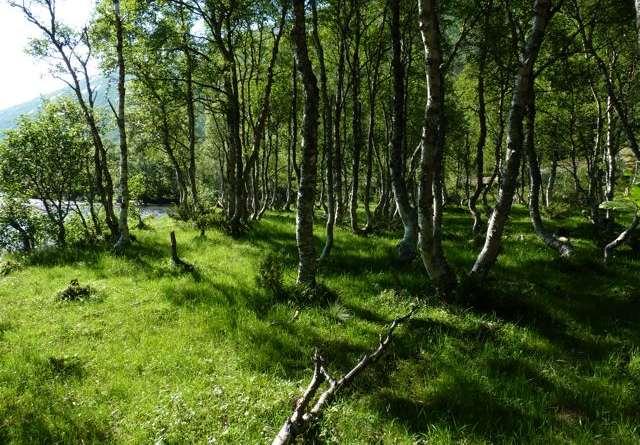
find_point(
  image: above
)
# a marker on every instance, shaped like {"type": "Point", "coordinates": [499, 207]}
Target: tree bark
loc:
{"type": "Point", "coordinates": [563, 247]}
{"type": "Point", "coordinates": [622, 238]}
{"type": "Point", "coordinates": [407, 246]}
{"type": "Point", "coordinates": [123, 223]}
{"type": "Point", "coordinates": [610, 157]}
{"type": "Point", "coordinates": [430, 196]}
{"type": "Point", "coordinates": [497, 152]}
{"type": "Point", "coordinates": [292, 165]}
{"type": "Point", "coordinates": [521, 94]}
{"type": "Point", "coordinates": [327, 120]}
{"type": "Point", "coordinates": [482, 139]}
{"type": "Point", "coordinates": [191, 117]}
{"type": "Point", "coordinates": [356, 123]}
{"type": "Point", "coordinates": [551, 182]}
{"type": "Point", "coordinates": [308, 165]}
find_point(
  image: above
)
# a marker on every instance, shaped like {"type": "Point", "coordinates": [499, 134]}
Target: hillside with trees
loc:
{"type": "Point", "coordinates": [310, 221]}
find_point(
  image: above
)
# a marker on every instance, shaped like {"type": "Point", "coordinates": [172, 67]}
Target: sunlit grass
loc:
{"type": "Point", "coordinates": [547, 354]}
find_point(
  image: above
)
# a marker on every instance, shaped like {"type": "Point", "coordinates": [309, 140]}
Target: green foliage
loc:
{"type": "Point", "coordinates": [21, 226]}
{"type": "Point", "coordinates": [270, 275]}
{"type": "Point", "coordinates": [46, 157]}
{"type": "Point", "coordinates": [634, 365]}
{"type": "Point", "coordinates": [620, 205]}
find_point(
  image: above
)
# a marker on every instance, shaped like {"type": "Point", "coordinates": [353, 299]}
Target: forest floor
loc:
{"type": "Point", "coordinates": [550, 353]}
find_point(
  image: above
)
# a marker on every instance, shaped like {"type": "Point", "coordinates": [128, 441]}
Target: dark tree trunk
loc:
{"type": "Point", "coordinates": [495, 176]}
{"type": "Point", "coordinates": [292, 165]}
{"type": "Point", "coordinates": [407, 246]}
{"type": "Point", "coordinates": [327, 121]}
{"type": "Point", "coordinates": [356, 123]}
{"type": "Point", "coordinates": [482, 139]}
{"type": "Point", "coordinates": [339, 107]}
{"type": "Point", "coordinates": [308, 167]}
{"type": "Point", "coordinates": [610, 157]}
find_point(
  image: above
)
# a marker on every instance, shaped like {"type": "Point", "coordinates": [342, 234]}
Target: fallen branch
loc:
{"type": "Point", "coordinates": [303, 416]}
{"type": "Point", "coordinates": [622, 238]}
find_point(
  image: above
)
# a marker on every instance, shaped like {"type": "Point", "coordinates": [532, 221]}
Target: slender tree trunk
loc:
{"type": "Point", "coordinates": [482, 139]}
{"type": "Point", "coordinates": [123, 224]}
{"type": "Point", "coordinates": [616, 102]}
{"type": "Point", "coordinates": [294, 120]}
{"type": "Point", "coordinates": [407, 246]}
{"type": "Point", "coordinates": [497, 152]}
{"type": "Point", "coordinates": [327, 120]}
{"type": "Point", "coordinates": [339, 106]}
{"type": "Point", "coordinates": [551, 182]}
{"type": "Point", "coordinates": [610, 156]}
{"type": "Point", "coordinates": [369, 160]}
{"type": "Point", "coordinates": [191, 120]}
{"type": "Point", "coordinates": [521, 94]}
{"type": "Point", "coordinates": [622, 238]}
{"type": "Point", "coordinates": [430, 196]}
{"type": "Point", "coordinates": [308, 167]}
{"type": "Point", "coordinates": [563, 247]}
{"type": "Point", "coordinates": [237, 188]}
{"type": "Point", "coordinates": [356, 123]}
{"type": "Point", "coordinates": [593, 166]}
{"type": "Point", "coordinates": [289, 192]}
{"type": "Point", "coordinates": [265, 107]}
{"type": "Point", "coordinates": [292, 165]}
{"type": "Point", "coordinates": [637, 4]}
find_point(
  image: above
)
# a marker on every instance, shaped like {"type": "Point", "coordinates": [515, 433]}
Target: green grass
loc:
{"type": "Point", "coordinates": [549, 353]}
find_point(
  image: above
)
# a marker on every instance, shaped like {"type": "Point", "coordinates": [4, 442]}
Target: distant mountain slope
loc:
{"type": "Point", "coordinates": [9, 116]}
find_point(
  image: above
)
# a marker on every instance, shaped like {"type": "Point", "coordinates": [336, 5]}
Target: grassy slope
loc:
{"type": "Point", "coordinates": [548, 355]}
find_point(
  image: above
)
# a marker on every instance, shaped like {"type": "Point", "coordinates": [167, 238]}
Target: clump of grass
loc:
{"type": "Point", "coordinates": [319, 294]}
{"type": "Point", "coordinates": [7, 267]}
{"type": "Point", "coordinates": [634, 365]}
{"type": "Point", "coordinates": [270, 275]}
{"type": "Point", "coordinates": [339, 313]}
{"type": "Point", "coordinates": [75, 292]}
{"type": "Point", "coordinates": [65, 366]}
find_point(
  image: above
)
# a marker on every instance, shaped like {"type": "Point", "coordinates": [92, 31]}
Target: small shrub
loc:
{"type": "Point", "coordinates": [634, 365]}
{"type": "Point", "coordinates": [75, 292]}
{"type": "Point", "coordinates": [270, 275]}
{"type": "Point", "coordinates": [7, 267]}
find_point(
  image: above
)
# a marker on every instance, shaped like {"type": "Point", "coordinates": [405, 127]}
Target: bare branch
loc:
{"type": "Point", "coordinates": [301, 418]}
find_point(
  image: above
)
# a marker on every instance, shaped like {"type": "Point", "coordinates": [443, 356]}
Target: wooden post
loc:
{"type": "Point", "coordinates": [174, 249]}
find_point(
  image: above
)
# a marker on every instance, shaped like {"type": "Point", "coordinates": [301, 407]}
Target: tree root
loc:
{"type": "Point", "coordinates": [304, 413]}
